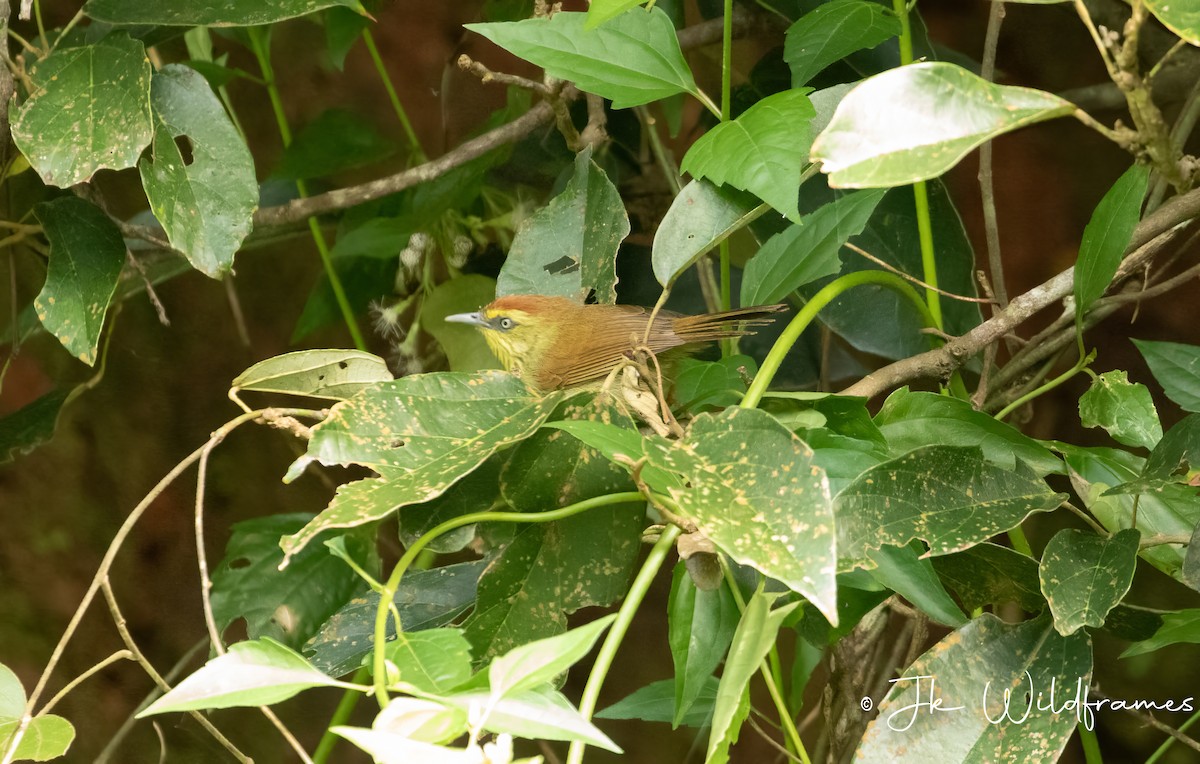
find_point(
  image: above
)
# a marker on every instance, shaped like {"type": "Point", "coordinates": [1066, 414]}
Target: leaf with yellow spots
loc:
{"type": "Point", "coordinates": [971, 672]}
{"type": "Point", "coordinates": [86, 257]}
{"type": "Point", "coordinates": [947, 496]}
{"type": "Point", "coordinates": [1084, 575]}
{"type": "Point", "coordinates": [752, 487]}
{"type": "Point", "coordinates": [421, 434]}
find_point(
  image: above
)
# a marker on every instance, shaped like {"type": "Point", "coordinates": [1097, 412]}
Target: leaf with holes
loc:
{"type": "Point", "coordinates": [916, 122]}
{"type": "Point", "coordinates": [986, 675]}
{"type": "Point", "coordinates": [206, 202]}
{"type": "Point", "coordinates": [762, 151]}
{"type": "Point", "coordinates": [320, 373]}
{"type": "Point", "coordinates": [182, 13]}
{"type": "Point", "coordinates": [1124, 409]}
{"type": "Point", "coordinates": [949, 497]}
{"type": "Point", "coordinates": [1084, 576]}
{"type": "Point", "coordinates": [86, 257]}
{"type": "Point", "coordinates": [569, 247]}
{"type": "Point", "coordinates": [756, 493]}
{"type": "Point", "coordinates": [89, 110]}
{"type": "Point", "coordinates": [288, 605]}
{"type": "Point", "coordinates": [421, 434]}
{"type": "Point", "coordinates": [633, 59]}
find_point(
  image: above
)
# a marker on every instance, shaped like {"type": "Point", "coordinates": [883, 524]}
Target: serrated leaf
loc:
{"type": "Point", "coordinates": [762, 151]}
{"type": "Point", "coordinates": [1083, 576]}
{"type": "Point", "coordinates": [756, 493]}
{"type": "Point", "coordinates": [426, 599]}
{"type": "Point", "coordinates": [656, 703]}
{"type": "Point", "coordinates": [536, 663]}
{"type": "Point", "coordinates": [86, 257]}
{"type": "Point", "coordinates": [421, 433]}
{"type": "Point", "coordinates": [909, 420]}
{"type": "Point", "coordinates": [258, 672]}
{"type": "Point", "coordinates": [975, 672]}
{"type": "Point", "coordinates": [833, 31]}
{"type": "Point", "coordinates": [700, 627]}
{"type": "Point", "coordinates": [288, 605]}
{"type": "Point", "coordinates": [319, 373]}
{"type": "Point", "coordinates": [633, 59]}
{"type": "Point", "coordinates": [336, 140]}
{"type": "Point", "coordinates": [753, 639]}
{"type": "Point", "coordinates": [1180, 627]}
{"type": "Point", "coordinates": [1180, 16]}
{"type": "Point", "coordinates": [701, 217]}
{"type": "Point", "coordinates": [186, 13]}
{"type": "Point", "coordinates": [916, 122]}
{"type": "Point", "coordinates": [801, 254]}
{"type": "Point", "coordinates": [1107, 235]}
{"type": "Point", "coordinates": [205, 205]}
{"type": "Point", "coordinates": [947, 496]}
{"type": "Point", "coordinates": [534, 714]}
{"type": "Point", "coordinates": [1124, 409]}
{"type": "Point", "coordinates": [569, 248]}
{"type": "Point", "coordinates": [1177, 368]}
{"type": "Point", "coordinates": [547, 570]}
{"type": "Point", "coordinates": [433, 661]}
{"type": "Point", "coordinates": [89, 110]}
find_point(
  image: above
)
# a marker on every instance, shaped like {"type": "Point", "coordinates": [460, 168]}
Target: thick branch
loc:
{"type": "Point", "coordinates": [940, 363]}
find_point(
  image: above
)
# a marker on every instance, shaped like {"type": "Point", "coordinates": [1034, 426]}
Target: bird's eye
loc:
{"type": "Point", "coordinates": [507, 323]}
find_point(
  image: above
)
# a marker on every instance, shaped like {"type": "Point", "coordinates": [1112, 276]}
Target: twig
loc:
{"type": "Point", "coordinates": [158, 306]}
{"type": "Point", "coordinates": [210, 621]}
{"type": "Point", "coordinates": [235, 308]}
{"type": "Point", "coordinates": [119, 655]}
{"type": "Point", "coordinates": [1155, 723]}
{"type": "Point", "coordinates": [595, 132]}
{"type": "Point", "coordinates": [485, 75]}
{"type": "Point", "coordinates": [909, 277]}
{"type": "Point", "coordinates": [986, 190]}
{"type": "Point", "coordinates": [1162, 539]}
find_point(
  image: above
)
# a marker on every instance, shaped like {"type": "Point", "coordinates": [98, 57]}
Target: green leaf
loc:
{"type": "Point", "coordinates": [633, 59]}
{"type": "Point", "coordinates": [600, 11]}
{"type": "Point", "coordinates": [1107, 235]}
{"type": "Point", "coordinates": [1124, 409]}
{"type": "Point", "coordinates": [569, 247]}
{"type": "Point", "coordinates": [475, 492]}
{"type": "Point", "coordinates": [904, 571]}
{"type": "Point", "coordinates": [12, 695]}
{"type": "Point", "coordinates": [910, 420]}
{"type": "Point", "coordinates": [287, 605]}
{"type": "Point", "coordinates": [534, 714]}
{"type": "Point", "coordinates": [387, 747]}
{"type": "Point", "coordinates": [755, 492]}
{"type": "Point", "coordinates": [551, 469]}
{"type": "Point", "coordinates": [619, 444]}
{"type": "Point", "coordinates": [363, 280]}
{"type": "Point", "coordinates": [947, 496]}
{"type": "Point", "coordinates": [1178, 452]}
{"type": "Point", "coordinates": [89, 110]}
{"type": "Point", "coordinates": [421, 433]}
{"type": "Point", "coordinates": [718, 383]}
{"type": "Point", "coordinates": [426, 599]}
{"type": "Point", "coordinates": [833, 31]}
{"type": "Point", "coordinates": [762, 151]}
{"type": "Point", "coordinates": [1083, 576]}
{"type": "Point", "coordinates": [464, 346]}
{"type": "Point", "coordinates": [700, 218]}
{"type": "Point", "coordinates": [988, 574]}
{"type": "Point", "coordinates": [700, 627]}
{"type": "Point", "coordinates": [47, 737]}
{"type": "Point", "coordinates": [985, 675]}
{"type": "Point", "coordinates": [801, 254]}
{"type": "Point", "coordinates": [337, 140]}
{"type": "Point", "coordinates": [1181, 627]}
{"type": "Point", "coordinates": [86, 257]}
{"type": "Point", "coordinates": [258, 672]}
{"type": "Point", "coordinates": [1177, 369]}
{"type": "Point", "coordinates": [754, 638]}
{"type": "Point", "coordinates": [331, 374]}
{"type": "Point", "coordinates": [1180, 16]}
{"type": "Point", "coordinates": [417, 719]}
{"type": "Point", "coordinates": [243, 13]}
{"type": "Point", "coordinates": [549, 569]}
{"type": "Point", "coordinates": [433, 661]}
{"type": "Point", "coordinates": [205, 204]}
{"type": "Point", "coordinates": [530, 665]}
{"type": "Point", "coordinates": [343, 28]}
{"type": "Point", "coordinates": [382, 238]}
{"type": "Point", "coordinates": [916, 122]}
{"type": "Point", "coordinates": [656, 703]}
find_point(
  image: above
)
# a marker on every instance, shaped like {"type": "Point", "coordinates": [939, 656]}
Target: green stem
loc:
{"type": "Point", "coordinates": [1078, 367]}
{"type": "Point", "coordinates": [900, 8]}
{"type": "Point", "coordinates": [808, 313]}
{"type": "Point", "coordinates": [406, 560]}
{"type": "Point", "coordinates": [341, 715]}
{"type": "Point", "coordinates": [1020, 543]}
{"type": "Point", "coordinates": [260, 44]}
{"type": "Point", "coordinates": [414, 143]}
{"type": "Point", "coordinates": [703, 98]}
{"type": "Point", "coordinates": [726, 59]}
{"type": "Point", "coordinates": [616, 635]}
{"type": "Point", "coordinates": [1166, 744]}
{"type": "Point", "coordinates": [1091, 746]}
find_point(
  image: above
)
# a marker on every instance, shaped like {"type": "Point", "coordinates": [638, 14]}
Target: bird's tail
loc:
{"type": "Point", "coordinates": [726, 324]}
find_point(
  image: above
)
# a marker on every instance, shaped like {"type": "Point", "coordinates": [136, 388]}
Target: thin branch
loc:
{"type": "Point", "coordinates": [210, 621]}
{"type": "Point", "coordinates": [119, 655]}
{"type": "Point", "coordinates": [485, 75]}
{"type": "Point", "coordinates": [909, 277]}
{"type": "Point", "coordinates": [1155, 723]}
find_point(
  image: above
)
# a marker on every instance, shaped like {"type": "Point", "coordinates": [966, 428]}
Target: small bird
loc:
{"type": "Point", "coordinates": [554, 342]}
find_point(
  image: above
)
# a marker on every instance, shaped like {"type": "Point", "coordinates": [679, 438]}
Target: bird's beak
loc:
{"type": "Point", "coordinates": [475, 319]}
